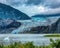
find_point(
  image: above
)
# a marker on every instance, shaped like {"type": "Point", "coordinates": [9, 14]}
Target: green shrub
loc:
{"type": "Point", "coordinates": [55, 44]}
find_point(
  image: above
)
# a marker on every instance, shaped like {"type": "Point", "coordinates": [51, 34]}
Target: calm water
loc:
{"type": "Point", "coordinates": [37, 39]}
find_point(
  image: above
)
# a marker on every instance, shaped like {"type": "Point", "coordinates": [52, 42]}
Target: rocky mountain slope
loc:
{"type": "Point", "coordinates": [8, 26]}
{"type": "Point", "coordinates": [7, 11]}
{"type": "Point", "coordinates": [9, 17]}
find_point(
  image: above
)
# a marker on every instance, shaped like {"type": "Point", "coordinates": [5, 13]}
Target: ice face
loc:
{"type": "Point", "coordinates": [39, 19]}
{"type": "Point", "coordinates": [26, 26]}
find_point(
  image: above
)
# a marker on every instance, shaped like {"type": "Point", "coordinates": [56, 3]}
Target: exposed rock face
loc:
{"type": "Point", "coordinates": [38, 30]}
{"type": "Point", "coordinates": [8, 26]}
{"type": "Point", "coordinates": [53, 28]}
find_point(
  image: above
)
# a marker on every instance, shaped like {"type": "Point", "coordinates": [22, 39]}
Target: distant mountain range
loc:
{"type": "Point", "coordinates": [47, 15]}
{"type": "Point", "coordinates": [7, 11]}
{"type": "Point", "coordinates": [51, 18]}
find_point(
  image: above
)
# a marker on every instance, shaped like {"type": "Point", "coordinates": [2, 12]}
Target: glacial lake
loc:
{"type": "Point", "coordinates": [37, 39]}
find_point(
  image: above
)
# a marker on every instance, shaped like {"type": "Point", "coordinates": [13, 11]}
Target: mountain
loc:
{"type": "Point", "coordinates": [53, 28]}
{"type": "Point", "coordinates": [7, 26]}
{"type": "Point", "coordinates": [7, 11]}
{"type": "Point", "coordinates": [47, 15]}
{"type": "Point", "coordinates": [9, 17]}
{"type": "Point", "coordinates": [50, 19]}
{"type": "Point", "coordinates": [37, 30]}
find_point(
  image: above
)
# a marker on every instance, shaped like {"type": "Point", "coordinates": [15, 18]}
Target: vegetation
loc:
{"type": "Point", "coordinates": [52, 35]}
{"type": "Point", "coordinates": [53, 44]}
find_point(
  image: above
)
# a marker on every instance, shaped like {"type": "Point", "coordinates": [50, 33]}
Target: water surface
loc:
{"type": "Point", "coordinates": [37, 39]}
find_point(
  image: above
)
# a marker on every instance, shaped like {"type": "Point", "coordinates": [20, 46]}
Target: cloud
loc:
{"type": "Point", "coordinates": [32, 7]}
{"type": "Point", "coordinates": [3, 1]}
{"type": "Point", "coordinates": [48, 3]}
{"type": "Point", "coordinates": [52, 11]}
{"type": "Point", "coordinates": [16, 2]}
{"type": "Point", "coordinates": [31, 10]}
{"type": "Point", "coordinates": [52, 3]}
{"type": "Point", "coordinates": [34, 2]}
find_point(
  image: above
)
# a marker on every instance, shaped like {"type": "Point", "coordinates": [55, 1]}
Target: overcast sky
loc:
{"type": "Point", "coordinates": [32, 7]}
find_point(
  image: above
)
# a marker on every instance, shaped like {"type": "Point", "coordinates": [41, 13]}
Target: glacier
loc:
{"type": "Point", "coordinates": [28, 24]}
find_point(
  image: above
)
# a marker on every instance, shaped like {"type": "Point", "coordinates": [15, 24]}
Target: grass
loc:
{"type": "Point", "coordinates": [52, 35]}
{"type": "Point", "coordinates": [53, 44]}
{"type": "Point", "coordinates": [25, 45]}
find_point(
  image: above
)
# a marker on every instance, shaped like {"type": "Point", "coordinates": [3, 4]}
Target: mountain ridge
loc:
{"type": "Point", "coordinates": [7, 11]}
{"type": "Point", "coordinates": [47, 15]}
